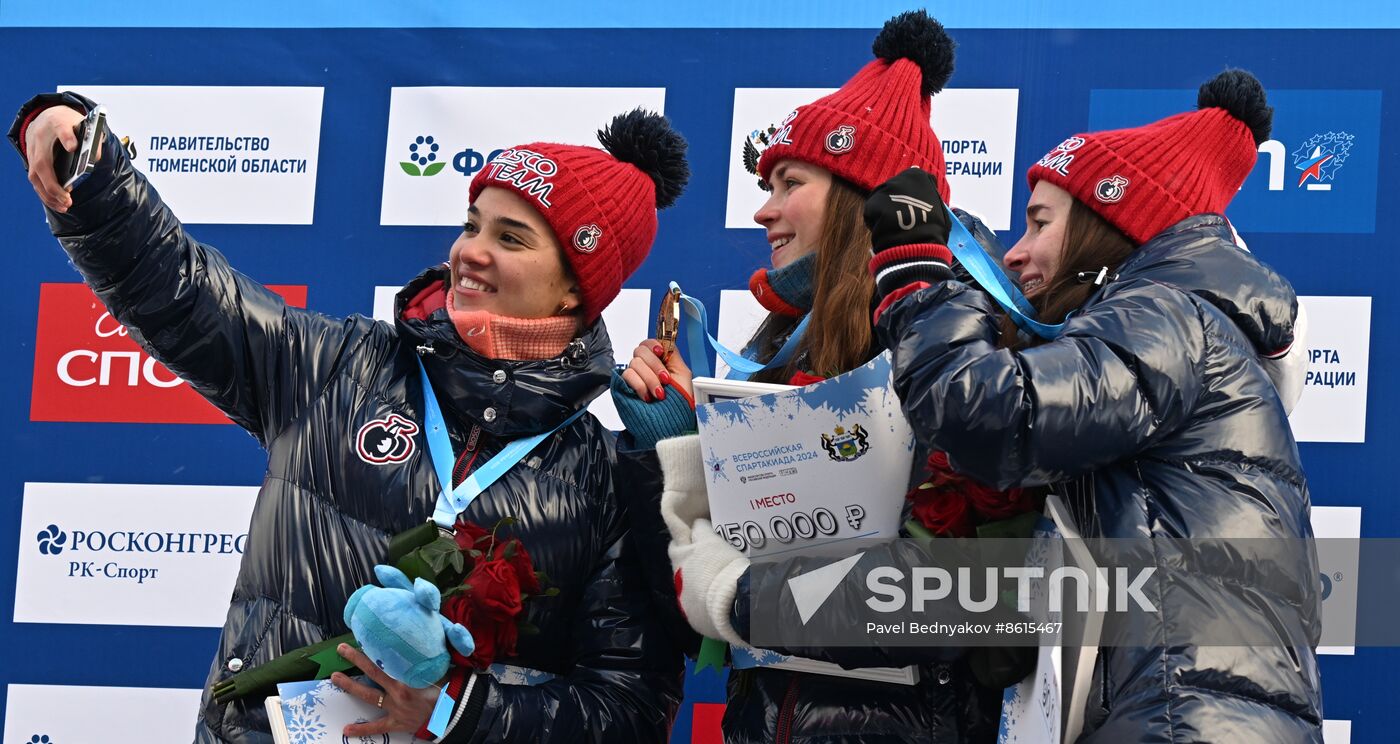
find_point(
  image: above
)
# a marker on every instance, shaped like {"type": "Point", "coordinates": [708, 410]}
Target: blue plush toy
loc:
{"type": "Point", "coordinates": [400, 629]}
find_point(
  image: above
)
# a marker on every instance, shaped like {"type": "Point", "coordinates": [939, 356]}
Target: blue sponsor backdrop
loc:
{"type": "Point", "coordinates": [1317, 174]}
{"type": "Point", "coordinates": [1330, 243]}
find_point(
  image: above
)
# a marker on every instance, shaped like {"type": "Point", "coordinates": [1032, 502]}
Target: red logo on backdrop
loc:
{"type": "Point", "coordinates": [87, 369]}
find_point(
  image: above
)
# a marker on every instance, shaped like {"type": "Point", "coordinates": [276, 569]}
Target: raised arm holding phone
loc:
{"type": "Point", "coordinates": [508, 335]}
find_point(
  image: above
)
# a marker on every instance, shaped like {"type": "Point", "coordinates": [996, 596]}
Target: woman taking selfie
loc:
{"type": "Point", "coordinates": [506, 338]}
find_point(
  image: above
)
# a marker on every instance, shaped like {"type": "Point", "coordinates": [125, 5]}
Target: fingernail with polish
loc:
{"type": "Point", "coordinates": [664, 378]}
{"type": "Point", "coordinates": [660, 393]}
{"type": "Point", "coordinates": [658, 350]}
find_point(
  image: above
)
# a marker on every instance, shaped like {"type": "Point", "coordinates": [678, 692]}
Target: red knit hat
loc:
{"type": "Point", "coordinates": [1147, 179]}
{"type": "Point", "coordinates": [601, 204]}
{"type": "Point", "coordinates": [877, 124]}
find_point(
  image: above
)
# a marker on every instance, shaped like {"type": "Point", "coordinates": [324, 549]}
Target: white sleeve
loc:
{"type": "Point", "coordinates": [1289, 371]}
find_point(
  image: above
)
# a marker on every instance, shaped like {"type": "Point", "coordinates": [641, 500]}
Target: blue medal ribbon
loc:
{"type": "Point", "coordinates": [453, 501]}
{"type": "Point", "coordinates": [697, 335]}
{"type": "Point", "coordinates": [980, 266]}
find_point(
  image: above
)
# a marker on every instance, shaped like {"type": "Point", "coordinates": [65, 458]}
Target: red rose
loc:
{"type": "Point", "coordinates": [519, 560]}
{"type": "Point", "coordinates": [468, 535]}
{"type": "Point", "coordinates": [995, 505]}
{"type": "Point", "coordinates": [943, 511]}
{"type": "Point", "coordinates": [494, 640]}
{"type": "Point", "coordinates": [459, 609]}
{"type": "Point", "coordinates": [941, 474]}
{"type": "Point", "coordinates": [496, 590]}
{"type": "Point", "coordinates": [490, 610]}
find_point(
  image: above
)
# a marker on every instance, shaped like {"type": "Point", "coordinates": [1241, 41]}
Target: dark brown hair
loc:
{"type": "Point", "coordinates": [838, 338]}
{"type": "Point", "coordinates": [1091, 244]}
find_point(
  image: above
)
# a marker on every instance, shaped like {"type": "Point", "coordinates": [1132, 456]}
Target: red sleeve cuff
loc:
{"type": "Point", "coordinates": [23, 128]}
{"type": "Point", "coordinates": [910, 252]}
{"type": "Point", "coordinates": [456, 680]}
{"type": "Point", "coordinates": [898, 295]}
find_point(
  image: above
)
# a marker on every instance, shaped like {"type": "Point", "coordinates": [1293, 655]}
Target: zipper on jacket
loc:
{"type": "Point", "coordinates": [468, 456]}
{"type": "Point", "coordinates": [785, 713]}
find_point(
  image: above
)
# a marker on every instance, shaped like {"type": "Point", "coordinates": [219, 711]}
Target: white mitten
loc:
{"type": "Point", "coordinates": [707, 579]}
{"type": "Point", "coordinates": [683, 496]}
{"type": "Point", "coordinates": [707, 567]}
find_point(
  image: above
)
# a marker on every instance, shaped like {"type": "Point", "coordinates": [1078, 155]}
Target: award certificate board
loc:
{"type": "Point", "coordinates": [317, 712]}
{"type": "Point", "coordinates": [805, 467]}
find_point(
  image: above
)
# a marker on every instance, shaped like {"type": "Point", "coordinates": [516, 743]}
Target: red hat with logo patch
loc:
{"type": "Point", "coordinates": [1145, 180]}
{"type": "Point", "coordinates": [601, 204]}
{"type": "Point", "coordinates": [877, 124]}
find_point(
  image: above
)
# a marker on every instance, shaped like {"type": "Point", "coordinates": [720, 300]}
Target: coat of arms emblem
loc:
{"type": "Point", "coordinates": [845, 446]}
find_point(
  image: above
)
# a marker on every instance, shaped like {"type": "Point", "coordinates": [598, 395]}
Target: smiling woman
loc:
{"type": "Point", "coordinates": [506, 340]}
{"type": "Point", "coordinates": [1150, 414]}
{"type": "Point", "coordinates": [818, 165]}
{"type": "Point", "coordinates": [1065, 246]}
{"type": "Point", "coordinates": [508, 262]}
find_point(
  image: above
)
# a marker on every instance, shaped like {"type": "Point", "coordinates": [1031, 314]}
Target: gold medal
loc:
{"type": "Point", "coordinates": [668, 322]}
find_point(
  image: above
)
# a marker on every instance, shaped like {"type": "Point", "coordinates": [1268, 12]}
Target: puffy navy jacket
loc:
{"type": "Point", "coordinates": [1152, 413]}
{"type": "Point", "coordinates": [772, 705]}
{"type": "Point", "coordinates": [304, 385]}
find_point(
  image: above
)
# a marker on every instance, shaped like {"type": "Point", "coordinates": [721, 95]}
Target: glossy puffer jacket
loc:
{"type": "Point", "coordinates": [1153, 412]}
{"type": "Point", "coordinates": [315, 391]}
{"type": "Point", "coordinates": [945, 706]}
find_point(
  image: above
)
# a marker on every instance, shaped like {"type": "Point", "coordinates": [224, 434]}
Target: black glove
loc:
{"type": "Point", "coordinates": [909, 229]}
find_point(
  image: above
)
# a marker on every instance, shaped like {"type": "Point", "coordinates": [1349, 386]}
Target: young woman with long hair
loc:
{"type": "Point", "coordinates": [818, 166]}
{"type": "Point", "coordinates": [1150, 413]}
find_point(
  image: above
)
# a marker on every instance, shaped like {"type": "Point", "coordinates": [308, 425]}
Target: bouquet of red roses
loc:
{"type": "Point", "coordinates": [949, 504]}
{"type": "Point", "coordinates": [485, 580]}
{"type": "Point", "coordinates": [490, 600]}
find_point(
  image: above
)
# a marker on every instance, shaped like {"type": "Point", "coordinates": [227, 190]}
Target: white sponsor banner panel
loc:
{"type": "Point", "coordinates": [439, 137]}
{"type": "Point", "coordinates": [127, 554]}
{"type": "Point", "coordinates": [628, 319]}
{"type": "Point", "coordinates": [739, 317]}
{"type": "Point", "coordinates": [1332, 407]}
{"type": "Point", "coordinates": [222, 154]}
{"type": "Point", "coordinates": [61, 714]}
{"type": "Point", "coordinates": [977, 127]}
{"type": "Point", "coordinates": [1338, 531]}
{"type": "Point", "coordinates": [1336, 732]}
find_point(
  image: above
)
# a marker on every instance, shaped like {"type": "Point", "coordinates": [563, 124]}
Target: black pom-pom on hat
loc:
{"type": "Point", "coordinates": [917, 37]}
{"type": "Point", "coordinates": [1240, 94]}
{"type": "Point", "coordinates": [646, 140]}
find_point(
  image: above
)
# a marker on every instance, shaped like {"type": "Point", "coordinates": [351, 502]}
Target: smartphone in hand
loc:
{"type": "Point", "coordinates": [72, 168]}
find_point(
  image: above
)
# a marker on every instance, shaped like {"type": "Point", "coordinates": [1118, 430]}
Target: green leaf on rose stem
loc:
{"type": "Point", "coordinates": [414, 567]}
{"type": "Point", "coordinates": [526, 628]}
{"type": "Point", "coordinates": [440, 554]}
{"type": "Point", "coordinates": [411, 169]}
{"type": "Point", "coordinates": [916, 529]}
{"type": "Point", "coordinates": [410, 540]}
{"type": "Point", "coordinates": [542, 577]}
{"type": "Point", "coordinates": [433, 169]}
{"type": "Point", "coordinates": [510, 550]}
{"type": "Point", "coordinates": [475, 553]}
{"type": "Point", "coordinates": [553, 591]}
